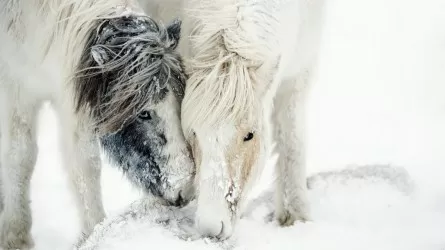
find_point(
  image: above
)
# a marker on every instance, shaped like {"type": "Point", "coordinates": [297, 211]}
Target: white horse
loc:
{"type": "Point", "coordinates": [250, 63]}
{"type": "Point", "coordinates": [112, 74]}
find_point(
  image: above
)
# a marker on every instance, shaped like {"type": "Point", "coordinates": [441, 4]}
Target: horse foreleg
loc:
{"type": "Point", "coordinates": [18, 157]}
{"type": "Point", "coordinates": [289, 133]}
{"type": "Point", "coordinates": [81, 156]}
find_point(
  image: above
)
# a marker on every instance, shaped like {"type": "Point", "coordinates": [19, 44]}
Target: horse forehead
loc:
{"type": "Point", "coordinates": [168, 105]}
{"type": "Point", "coordinates": [216, 137]}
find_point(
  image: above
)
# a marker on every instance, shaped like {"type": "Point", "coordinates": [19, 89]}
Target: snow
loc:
{"type": "Point", "coordinates": [377, 99]}
{"type": "Point", "coordinates": [370, 207]}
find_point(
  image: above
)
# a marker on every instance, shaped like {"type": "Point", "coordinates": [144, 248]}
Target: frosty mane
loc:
{"type": "Point", "coordinates": [128, 64]}
{"type": "Point", "coordinates": [222, 83]}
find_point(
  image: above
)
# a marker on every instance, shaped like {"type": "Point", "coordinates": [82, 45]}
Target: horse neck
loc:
{"type": "Point", "coordinates": [247, 28]}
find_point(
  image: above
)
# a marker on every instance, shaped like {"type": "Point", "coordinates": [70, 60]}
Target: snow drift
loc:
{"type": "Point", "coordinates": [366, 207]}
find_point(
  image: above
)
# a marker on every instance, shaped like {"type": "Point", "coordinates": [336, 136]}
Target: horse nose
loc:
{"type": "Point", "coordinates": [212, 226]}
{"type": "Point", "coordinates": [183, 197]}
{"type": "Point", "coordinates": [211, 229]}
{"type": "Point", "coordinates": [179, 202]}
{"type": "Point", "coordinates": [182, 200]}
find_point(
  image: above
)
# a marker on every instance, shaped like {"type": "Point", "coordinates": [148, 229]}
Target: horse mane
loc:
{"type": "Point", "coordinates": [128, 64]}
{"type": "Point", "coordinates": [69, 22]}
{"type": "Point", "coordinates": [227, 51]}
{"type": "Point", "coordinates": [114, 59]}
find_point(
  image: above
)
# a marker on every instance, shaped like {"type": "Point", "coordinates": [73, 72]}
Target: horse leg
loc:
{"type": "Point", "coordinates": [81, 156]}
{"type": "Point", "coordinates": [18, 157]}
{"type": "Point", "coordinates": [289, 132]}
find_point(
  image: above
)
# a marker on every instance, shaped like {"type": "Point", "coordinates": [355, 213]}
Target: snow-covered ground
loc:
{"type": "Point", "coordinates": [378, 99]}
{"type": "Point", "coordinates": [366, 207]}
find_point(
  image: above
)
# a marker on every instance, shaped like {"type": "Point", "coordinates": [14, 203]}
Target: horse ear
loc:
{"type": "Point", "coordinates": [99, 55]}
{"type": "Point", "coordinates": [174, 32]}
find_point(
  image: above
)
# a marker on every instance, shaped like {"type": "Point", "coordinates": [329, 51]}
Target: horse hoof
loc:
{"type": "Point", "coordinates": [287, 218]}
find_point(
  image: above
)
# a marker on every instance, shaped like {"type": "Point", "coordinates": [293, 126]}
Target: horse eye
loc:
{"type": "Point", "coordinates": [248, 137]}
{"type": "Point", "coordinates": [145, 115]}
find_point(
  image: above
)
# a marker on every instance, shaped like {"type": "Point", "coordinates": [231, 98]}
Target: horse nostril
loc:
{"type": "Point", "coordinates": [220, 235]}
{"type": "Point", "coordinates": [179, 201]}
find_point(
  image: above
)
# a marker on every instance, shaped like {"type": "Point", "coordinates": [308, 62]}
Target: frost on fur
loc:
{"type": "Point", "coordinates": [131, 61]}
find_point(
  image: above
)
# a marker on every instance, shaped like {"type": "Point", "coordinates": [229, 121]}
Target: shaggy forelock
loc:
{"type": "Point", "coordinates": [129, 63]}
{"type": "Point", "coordinates": [228, 51]}
{"type": "Point", "coordinates": [219, 91]}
